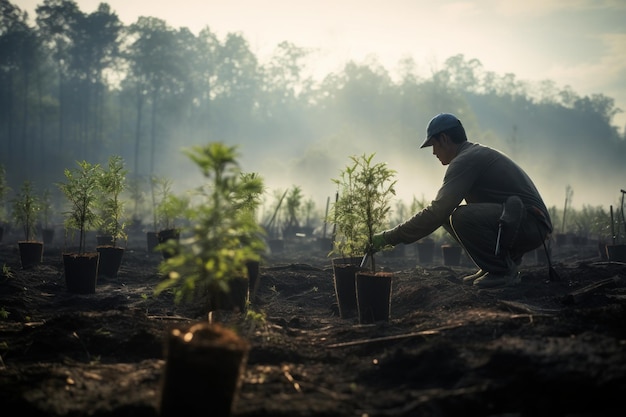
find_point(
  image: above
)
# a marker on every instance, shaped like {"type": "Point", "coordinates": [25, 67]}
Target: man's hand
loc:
{"type": "Point", "coordinates": [378, 241]}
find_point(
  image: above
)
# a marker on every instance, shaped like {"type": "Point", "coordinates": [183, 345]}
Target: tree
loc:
{"type": "Point", "coordinates": [462, 75]}
{"type": "Point", "coordinates": [95, 48]}
{"type": "Point", "coordinates": [19, 48]}
{"type": "Point", "coordinates": [155, 71]}
{"type": "Point", "coordinates": [237, 87]}
{"type": "Point", "coordinates": [56, 20]}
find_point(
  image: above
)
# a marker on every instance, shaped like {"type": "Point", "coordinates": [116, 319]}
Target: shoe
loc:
{"type": "Point", "coordinates": [469, 280]}
{"type": "Point", "coordinates": [490, 280]}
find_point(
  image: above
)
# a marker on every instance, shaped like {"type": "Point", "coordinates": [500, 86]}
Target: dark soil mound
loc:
{"type": "Point", "coordinates": [544, 347]}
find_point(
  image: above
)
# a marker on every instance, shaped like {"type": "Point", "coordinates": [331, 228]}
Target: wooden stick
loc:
{"type": "Point", "coordinates": [582, 293]}
{"type": "Point", "coordinates": [169, 318]}
{"type": "Point", "coordinates": [394, 337]}
{"type": "Point", "coordinates": [526, 308]}
{"type": "Point", "coordinates": [290, 378]}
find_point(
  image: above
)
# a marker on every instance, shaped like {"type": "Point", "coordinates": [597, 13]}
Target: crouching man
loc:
{"type": "Point", "coordinates": [503, 217]}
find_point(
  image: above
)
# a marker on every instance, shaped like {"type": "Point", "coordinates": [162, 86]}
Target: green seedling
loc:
{"type": "Point", "coordinates": [6, 271]}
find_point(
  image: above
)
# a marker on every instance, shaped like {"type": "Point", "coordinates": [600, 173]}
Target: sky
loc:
{"type": "Point", "coordinates": [575, 43]}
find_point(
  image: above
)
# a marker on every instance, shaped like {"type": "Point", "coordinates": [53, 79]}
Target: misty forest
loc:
{"type": "Point", "coordinates": [80, 86]}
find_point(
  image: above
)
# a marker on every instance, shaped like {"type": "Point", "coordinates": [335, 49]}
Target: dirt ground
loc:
{"type": "Point", "coordinates": [542, 348]}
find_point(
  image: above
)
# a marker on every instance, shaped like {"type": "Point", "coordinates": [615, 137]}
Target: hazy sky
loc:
{"type": "Point", "coordinates": [576, 43]}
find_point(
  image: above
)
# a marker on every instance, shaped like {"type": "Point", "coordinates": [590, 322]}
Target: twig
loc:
{"type": "Point", "coordinates": [526, 308]}
{"type": "Point", "coordinates": [585, 292]}
{"type": "Point", "coordinates": [293, 382]}
{"type": "Point", "coordinates": [169, 318]}
{"type": "Point", "coordinates": [395, 337]}
{"type": "Point", "coordinates": [297, 267]}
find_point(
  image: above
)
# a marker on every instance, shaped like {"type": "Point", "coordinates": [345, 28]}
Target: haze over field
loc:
{"type": "Point", "coordinates": [579, 43]}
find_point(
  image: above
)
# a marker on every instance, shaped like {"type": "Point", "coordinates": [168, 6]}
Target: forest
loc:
{"type": "Point", "coordinates": [83, 86]}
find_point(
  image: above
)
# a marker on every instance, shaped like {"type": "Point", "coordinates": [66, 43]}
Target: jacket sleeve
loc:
{"type": "Point", "coordinates": [458, 179]}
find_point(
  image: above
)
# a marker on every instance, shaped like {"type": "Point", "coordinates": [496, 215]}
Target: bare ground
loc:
{"type": "Point", "coordinates": [544, 347]}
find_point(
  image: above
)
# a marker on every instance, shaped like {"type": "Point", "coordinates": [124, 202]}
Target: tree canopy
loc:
{"type": "Point", "coordinates": [83, 86]}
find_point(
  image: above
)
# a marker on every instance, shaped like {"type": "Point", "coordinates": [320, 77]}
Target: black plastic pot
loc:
{"type": "Point", "coordinates": [425, 250]}
{"type": "Point", "coordinates": [203, 371]}
{"type": "Point", "coordinates": [344, 270]}
{"type": "Point", "coordinates": [110, 260]}
{"type": "Point", "coordinates": [81, 272]}
{"type": "Point", "coordinates": [373, 293]}
{"type": "Point", "coordinates": [451, 255]}
{"type": "Point", "coordinates": [164, 236]}
{"type": "Point", "coordinates": [616, 253]}
{"type": "Point", "coordinates": [31, 253]}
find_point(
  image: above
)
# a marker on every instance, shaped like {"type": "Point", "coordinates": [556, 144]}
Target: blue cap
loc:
{"type": "Point", "coordinates": [440, 123]}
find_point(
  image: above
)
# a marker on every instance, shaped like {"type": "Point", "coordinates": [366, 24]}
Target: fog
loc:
{"type": "Point", "coordinates": [419, 174]}
{"type": "Point", "coordinates": [156, 98]}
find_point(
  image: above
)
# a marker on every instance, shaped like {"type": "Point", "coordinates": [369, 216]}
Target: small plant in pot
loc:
{"type": "Point", "coordinates": [293, 204]}
{"type": "Point", "coordinates": [160, 189]}
{"type": "Point", "coordinates": [112, 183]}
{"type": "Point", "coordinates": [26, 207]}
{"type": "Point", "coordinates": [80, 189]}
{"type": "Point", "coordinates": [365, 190]}
{"type": "Point", "coordinates": [167, 211]}
{"type": "Point", "coordinates": [249, 201]}
{"type": "Point", "coordinates": [204, 362]}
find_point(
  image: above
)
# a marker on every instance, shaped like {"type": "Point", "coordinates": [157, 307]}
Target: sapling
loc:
{"type": "Point", "coordinates": [171, 209]}
{"type": "Point", "coordinates": [112, 183]}
{"type": "Point", "coordinates": [294, 201]}
{"type": "Point", "coordinates": [6, 271]}
{"type": "Point", "coordinates": [80, 188]}
{"type": "Point", "coordinates": [365, 193]}
{"type": "Point", "coordinates": [26, 207]}
{"type": "Point", "coordinates": [223, 232]}
{"type": "Point", "coordinates": [308, 211]}
{"type": "Point", "coordinates": [168, 207]}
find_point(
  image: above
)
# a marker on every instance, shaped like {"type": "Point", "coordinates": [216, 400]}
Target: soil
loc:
{"type": "Point", "coordinates": [551, 346]}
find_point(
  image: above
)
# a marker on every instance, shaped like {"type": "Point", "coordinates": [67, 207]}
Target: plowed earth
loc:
{"type": "Point", "coordinates": [545, 347]}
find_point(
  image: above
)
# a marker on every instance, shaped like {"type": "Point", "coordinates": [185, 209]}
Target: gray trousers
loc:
{"type": "Point", "coordinates": [475, 227]}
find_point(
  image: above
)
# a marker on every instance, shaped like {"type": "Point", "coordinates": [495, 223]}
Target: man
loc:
{"type": "Point", "coordinates": [503, 218]}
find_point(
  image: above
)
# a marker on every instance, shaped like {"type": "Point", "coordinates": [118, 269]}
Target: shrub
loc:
{"type": "Point", "coordinates": [223, 232]}
{"type": "Point", "coordinates": [26, 207]}
{"type": "Point", "coordinates": [365, 191]}
{"type": "Point", "coordinates": [80, 188]}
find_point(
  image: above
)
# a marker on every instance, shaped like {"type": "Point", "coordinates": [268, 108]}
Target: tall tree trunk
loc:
{"type": "Point", "coordinates": [26, 140]}
{"type": "Point", "coordinates": [153, 130]}
{"type": "Point", "coordinates": [61, 106]}
{"type": "Point", "coordinates": [140, 101]}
